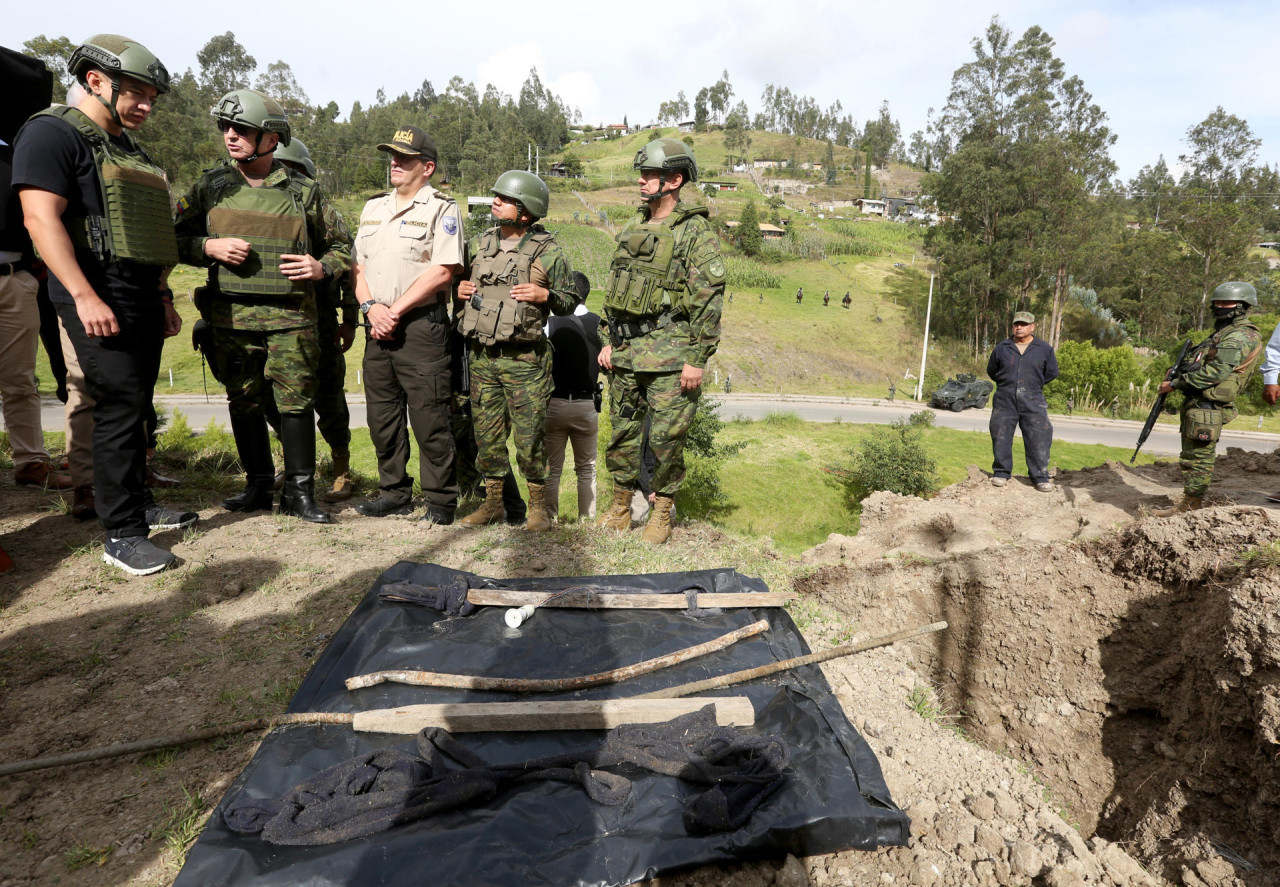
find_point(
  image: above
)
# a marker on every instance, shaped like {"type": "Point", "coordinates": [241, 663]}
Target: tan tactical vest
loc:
{"type": "Point", "coordinates": [272, 219]}
{"type": "Point", "coordinates": [492, 316]}
{"type": "Point", "coordinates": [138, 221]}
{"type": "Point", "coordinates": [645, 278]}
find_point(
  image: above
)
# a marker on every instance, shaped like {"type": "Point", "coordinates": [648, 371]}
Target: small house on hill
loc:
{"type": "Point", "coordinates": [723, 186]}
{"type": "Point", "coordinates": [871, 207]}
{"type": "Point", "coordinates": [686, 125]}
{"type": "Point", "coordinates": [767, 163]}
{"type": "Point", "coordinates": [479, 204]}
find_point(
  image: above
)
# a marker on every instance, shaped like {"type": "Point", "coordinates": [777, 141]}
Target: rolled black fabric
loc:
{"type": "Point", "coordinates": [377, 791]}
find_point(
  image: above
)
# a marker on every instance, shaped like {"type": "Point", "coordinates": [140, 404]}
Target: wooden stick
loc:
{"type": "Point", "coordinates": [590, 600]}
{"type": "Point", "coordinates": [572, 714]}
{"type": "Point", "coordinates": [144, 745]}
{"type": "Point", "coordinates": [750, 674]}
{"type": "Point", "coordinates": [554, 685]}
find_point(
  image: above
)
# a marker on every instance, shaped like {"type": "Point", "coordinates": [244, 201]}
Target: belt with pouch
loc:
{"type": "Point", "coordinates": [634, 329]}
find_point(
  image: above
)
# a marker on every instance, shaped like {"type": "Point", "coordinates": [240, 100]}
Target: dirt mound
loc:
{"type": "Point", "coordinates": [1137, 671]}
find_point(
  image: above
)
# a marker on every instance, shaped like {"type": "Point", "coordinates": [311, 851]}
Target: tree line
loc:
{"type": "Point", "coordinates": [1036, 222]}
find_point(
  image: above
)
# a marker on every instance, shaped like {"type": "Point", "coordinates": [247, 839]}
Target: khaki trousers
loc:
{"type": "Point", "coordinates": [19, 333]}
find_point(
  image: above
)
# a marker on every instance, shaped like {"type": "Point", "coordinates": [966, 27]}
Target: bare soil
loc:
{"type": "Point", "coordinates": [1104, 708]}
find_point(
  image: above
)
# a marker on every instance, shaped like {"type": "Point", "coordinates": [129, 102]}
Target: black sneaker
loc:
{"type": "Point", "coordinates": [161, 518]}
{"type": "Point", "coordinates": [383, 506]}
{"type": "Point", "coordinates": [136, 555]}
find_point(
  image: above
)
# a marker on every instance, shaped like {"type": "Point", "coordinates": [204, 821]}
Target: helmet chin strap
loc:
{"type": "Point", "coordinates": [111, 105]}
{"type": "Point", "coordinates": [257, 149]}
{"type": "Point", "coordinates": [659, 194]}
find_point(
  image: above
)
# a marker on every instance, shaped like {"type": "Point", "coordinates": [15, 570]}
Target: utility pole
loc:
{"type": "Point", "coordinates": [537, 164]}
{"type": "Point", "coordinates": [528, 162]}
{"type": "Point", "coordinates": [924, 353]}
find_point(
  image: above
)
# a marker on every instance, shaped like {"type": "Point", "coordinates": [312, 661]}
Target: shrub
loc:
{"type": "Point", "coordinates": [893, 459]}
{"type": "Point", "coordinates": [701, 494]}
{"type": "Point", "coordinates": [745, 273]}
{"type": "Point", "coordinates": [1107, 374]}
{"type": "Point", "coordinates": [922, 419]}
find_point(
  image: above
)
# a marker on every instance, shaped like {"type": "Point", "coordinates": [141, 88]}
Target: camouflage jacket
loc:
{"type": "Point", "coordinates": [1226, 359]}
{"type": "Point", "coordinates": [327, 234]}
{"type": "Point", "coordinates": [690, 338]}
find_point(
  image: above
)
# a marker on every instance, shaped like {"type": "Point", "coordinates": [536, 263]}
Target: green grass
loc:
{"type": "Point", "coordinates": [778, 486]}
{"type": "Point", "coordinates": [185, 820]}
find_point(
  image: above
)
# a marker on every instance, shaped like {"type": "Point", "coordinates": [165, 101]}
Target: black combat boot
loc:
{"type": "Point", "coordinates": [254, 448]}
{"type": "Point", "coordinates": [298, 436]}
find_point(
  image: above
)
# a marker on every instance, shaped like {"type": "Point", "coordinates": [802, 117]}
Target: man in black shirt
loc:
{"type": "Point", "coordinates": [573, 412]}
{"type": "Point", "coordinates": [98, 211]}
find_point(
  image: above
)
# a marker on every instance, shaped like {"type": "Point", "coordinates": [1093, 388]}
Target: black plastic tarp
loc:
{"type": "Point", "coordinates": [834, 798]}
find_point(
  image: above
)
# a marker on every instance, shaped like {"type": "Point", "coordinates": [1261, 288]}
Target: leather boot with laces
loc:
{"type": "Point", "coordinates": [658, 529]}
{"type": "Point", "coordinates": [618, 515]}
{"type": "Point", "coordinates": [537, 520]}
{"type": "Point", "coordinates": [343, 485]}
{"type": "Point", "coordinates": [490, 510]}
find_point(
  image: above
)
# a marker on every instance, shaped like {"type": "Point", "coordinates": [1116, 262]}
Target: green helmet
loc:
{"type": "Point", "coordinates": [527, 189]}
{"type": "Point", "coordinates": [252, 108]}
{"type": "Point", "coordinates": [115, 55]}
{"type": "Point", "coordinates": [296, 152]}
{"type": "Point", "coordinates": [1236, 291]}
{"type": "Point", "coordinates": [668, 154]}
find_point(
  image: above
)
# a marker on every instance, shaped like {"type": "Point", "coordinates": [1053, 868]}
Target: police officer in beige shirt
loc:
{"type": "Point", "coordinates": [409, 249]}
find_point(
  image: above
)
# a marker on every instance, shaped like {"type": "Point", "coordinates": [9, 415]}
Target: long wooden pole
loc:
{"type": "Point", "coordinates": [555, 685]}
{"type": "Point", "coordinates": [751, 674]}
{"type": "Point", "coordinates": [593, 600]}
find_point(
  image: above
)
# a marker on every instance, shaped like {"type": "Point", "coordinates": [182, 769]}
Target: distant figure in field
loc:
{"type": "Point", "coordinates": [761, 298]}
{"type": "Point", "coordinates": [799, 295]}
{"type": "Point", "coordinates": [847, 300]}
{"type": "Point", "coordinates": [826, 298]}
{"type": "Point", "coordinates": [730, 298]}
{"type": "Point", "coordinates": [893, 390]}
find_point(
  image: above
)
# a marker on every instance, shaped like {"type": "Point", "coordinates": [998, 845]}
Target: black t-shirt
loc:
{"type": "Point", "coordinates": [573, 365]}
{"type": "Point", "coordinates": [50, 154]}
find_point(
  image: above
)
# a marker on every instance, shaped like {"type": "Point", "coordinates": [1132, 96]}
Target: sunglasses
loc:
{"type": "Point", "coordinates": [245, 132]}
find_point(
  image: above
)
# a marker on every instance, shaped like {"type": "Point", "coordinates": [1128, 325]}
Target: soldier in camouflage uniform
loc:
{"type": "Point", "coordinates": [1211, 378]}
{"type": "Point", "coordinates": [663, 303]}
{"type": "Point", "coordinates": [264, 232]}
{"type": "Point", "coordinates": [515, 274]}
{"type": "Point", "coordinates": [333, 295]}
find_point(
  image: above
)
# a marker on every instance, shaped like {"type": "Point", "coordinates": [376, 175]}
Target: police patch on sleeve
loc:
{"type": "Point", "coordinates": [450, 225]}
{"type": "Point", "coordinates": [716, 269]}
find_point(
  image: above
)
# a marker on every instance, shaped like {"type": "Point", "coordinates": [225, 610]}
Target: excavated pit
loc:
{"type": "Point", "coordinates": [1132, 661]}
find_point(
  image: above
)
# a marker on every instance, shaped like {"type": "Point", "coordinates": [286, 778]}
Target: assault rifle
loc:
{"type": "Point", "coordinates": [1158, 407]}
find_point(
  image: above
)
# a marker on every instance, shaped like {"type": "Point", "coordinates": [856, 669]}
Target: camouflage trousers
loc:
{"type": "Point", "coordinates": [260, 366]}
{"type": "Point", "coordinates": [1201, 428]}
{"type": "Point", "coordinates": [333, 418]}
{"type": "Point", "coordinates": [510, 387]}
{"type": "Point", "coordinates": [632, 396]}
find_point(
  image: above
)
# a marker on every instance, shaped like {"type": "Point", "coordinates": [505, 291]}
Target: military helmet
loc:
{"type": "Point", "coordinates": [116, 55]}
{"type": "Point", "coordinates": [668, 154]}
{"type": "Point", "coordinates": [1236, 291]}
{"type": "Point", "coordinates": [252, 108]}
{"type": "Point", "coordinates": [526, 188]}
{"type": "Point", "coordinates": [296, 152]}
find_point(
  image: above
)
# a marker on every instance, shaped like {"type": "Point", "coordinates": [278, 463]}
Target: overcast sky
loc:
{"type": "Point", "coordinates": [1154, 68]}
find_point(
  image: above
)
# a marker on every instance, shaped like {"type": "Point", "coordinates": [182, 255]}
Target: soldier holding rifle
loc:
{"type": "Point", "coordinates": [1211, 378]}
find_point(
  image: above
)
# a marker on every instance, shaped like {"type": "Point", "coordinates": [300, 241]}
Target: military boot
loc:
{"type": "Point", "coordinates": [1188, 503]}
{"type": "Point", "coordinates": [343, 485]}
{"type": "Point", "coordinates": [490, 510]}
{"type": "Point", "coordinates": [618, 514]}
{"type": "Point", "coordinates": [537, 521]}
{"type": "Point", "coordinates": [658, 529]}
{"type": "Point", "coordinates": [298, 435]}
{"type": "Point", "coordinates": [254, 449]}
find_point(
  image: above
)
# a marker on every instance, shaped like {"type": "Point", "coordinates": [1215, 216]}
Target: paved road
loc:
{"type": "Point", "coordinates": [1163, 440]}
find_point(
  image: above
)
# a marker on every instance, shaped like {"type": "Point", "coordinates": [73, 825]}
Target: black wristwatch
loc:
{"type": "Point", "coordinates": [365, 306]}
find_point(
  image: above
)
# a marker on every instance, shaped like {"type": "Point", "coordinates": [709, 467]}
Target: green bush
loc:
{"type": "Point", "coordinates": [701, 494]}
{"type": "Point", "coordinates": [893, 459]}
{"type": "Point", "coordinates": [922, 419]}
{"type": "Point", "coordinates": [1106, 373]}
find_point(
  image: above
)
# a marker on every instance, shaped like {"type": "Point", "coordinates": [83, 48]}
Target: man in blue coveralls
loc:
{"type": "Point", "coordinates": [1021, 366]}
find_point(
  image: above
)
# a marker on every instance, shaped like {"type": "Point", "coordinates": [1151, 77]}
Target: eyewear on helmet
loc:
{"type": "Point", "coordinates": [240, 129]}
